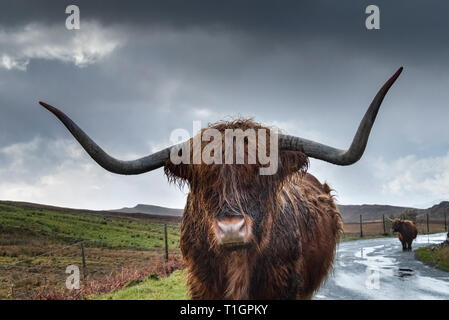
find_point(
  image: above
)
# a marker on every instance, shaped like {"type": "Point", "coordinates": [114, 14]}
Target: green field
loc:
{"type": "Point", "coordinates": [37, 243]}
{"type": "Point", "coordinates": [100, 231]}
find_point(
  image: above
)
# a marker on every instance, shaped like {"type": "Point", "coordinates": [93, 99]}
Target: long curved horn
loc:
{"type": "Point", "coordinates": [142, 165]}
{"type": "Point", "coordinates": [336, 156]}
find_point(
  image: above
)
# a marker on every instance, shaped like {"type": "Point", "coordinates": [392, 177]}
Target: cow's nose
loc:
{"type": "Point", "coordinates": [232, 231]}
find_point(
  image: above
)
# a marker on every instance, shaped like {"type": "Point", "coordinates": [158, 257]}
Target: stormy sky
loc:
{"type": "Point", "coordinates": [136, 71]}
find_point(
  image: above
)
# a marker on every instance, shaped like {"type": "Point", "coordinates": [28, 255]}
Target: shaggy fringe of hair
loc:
{"type": "Point", "coordinates": [228, 180]}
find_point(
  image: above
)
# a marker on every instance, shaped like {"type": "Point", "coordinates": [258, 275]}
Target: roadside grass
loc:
{"type": "Point", "coordinates": [434, 255]}
{"type": "Point", "coordinates": [114, 282]}
{"type": "Point", "coordinates": [172, 287]}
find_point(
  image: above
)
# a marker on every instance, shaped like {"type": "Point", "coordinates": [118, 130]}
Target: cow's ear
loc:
{"type": "Point", "coordinates": [291, 162]}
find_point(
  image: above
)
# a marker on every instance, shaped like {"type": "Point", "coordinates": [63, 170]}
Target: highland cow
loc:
{"type": "Point", "coordinates": [407, 232]}
{"type": "Point", "coordinates": [245, 235]}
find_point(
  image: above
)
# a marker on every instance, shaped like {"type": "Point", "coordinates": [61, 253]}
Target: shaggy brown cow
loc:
{"type": "Point", "coordinates": [407, 232]}
{"type": "Point", "coordinates": [250, 236]}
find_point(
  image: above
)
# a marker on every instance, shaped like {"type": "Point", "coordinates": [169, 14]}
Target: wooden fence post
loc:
{"type": "Point", "coordinates": [166, 242]}
{"type": "Point", "coordinates": [427, 218]}
{"type": "Point", "coordinates": [383, 222]}
{"type": "Point", "coordinates": [11, 289]}
{"type": "Point", "coordinates": [361, 227]}
{"type": "Point", "coordinates": [83, 260]}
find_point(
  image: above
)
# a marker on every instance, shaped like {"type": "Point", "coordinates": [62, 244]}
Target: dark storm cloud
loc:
{"type": "Point", "coordinates": [276, 19]}
{"type": "Point", "coordinates": [412, 29]}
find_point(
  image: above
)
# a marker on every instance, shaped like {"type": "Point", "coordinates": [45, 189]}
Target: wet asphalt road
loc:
{"type": "Point", "coordinates": [378, 269]}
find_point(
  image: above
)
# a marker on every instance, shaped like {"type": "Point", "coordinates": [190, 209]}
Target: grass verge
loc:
{"type": "Point", "coordinates": [436, 255]}
{"type": "Point", "coordinates": [152, 288]}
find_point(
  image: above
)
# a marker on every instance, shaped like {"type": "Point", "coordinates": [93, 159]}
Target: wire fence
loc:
{"type": "Point", "coordinates": [363, 228]}
{"type": "Point", "coordinates": [31, 268]}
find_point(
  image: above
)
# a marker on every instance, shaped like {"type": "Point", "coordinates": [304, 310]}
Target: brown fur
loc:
{"type": "Point", "coordinates": [407, 232]}
{"type": "Point", "coordinates": [295, 223]}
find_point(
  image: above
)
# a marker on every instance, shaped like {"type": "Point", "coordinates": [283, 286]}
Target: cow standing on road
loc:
{"type": "Point", "coordinates": [407, 232]}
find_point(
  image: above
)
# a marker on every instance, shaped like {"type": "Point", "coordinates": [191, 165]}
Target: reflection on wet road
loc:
{"type": "Point", "coordinates": [379, 269]}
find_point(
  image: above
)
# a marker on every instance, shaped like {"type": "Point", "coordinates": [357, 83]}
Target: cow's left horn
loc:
{"type": "Point", "coordinates": [142, 165]}
{"type": "Point", "coordinates": [336, 156]}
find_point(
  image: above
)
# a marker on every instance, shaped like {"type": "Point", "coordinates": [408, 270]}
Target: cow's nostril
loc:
{"type": "Point", "coordinates": [231, 231]}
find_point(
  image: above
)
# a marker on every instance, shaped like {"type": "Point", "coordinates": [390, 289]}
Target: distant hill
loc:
{"type": "Point", "coordinates": [153, 210]}
{"type": "Point", "coordinates": [428, 204]}
{"type": "Point", "coordinates": [436, 212]}
{"type": "Point", "coordinates": [349, 213]}
{"type": "Point", "coordinates": [370, 212]}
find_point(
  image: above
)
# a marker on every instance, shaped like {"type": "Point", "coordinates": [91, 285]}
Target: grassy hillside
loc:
{"type": "Point", "coordinates": [101, 230]}
{"type": "Point", "coordinates": [37, 243]}
{"type": "Point", "coordinates": [437, 212]}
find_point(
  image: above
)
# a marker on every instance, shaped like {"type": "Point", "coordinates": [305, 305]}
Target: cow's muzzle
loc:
{"type": "Point", "coordinates": [232, 232]}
